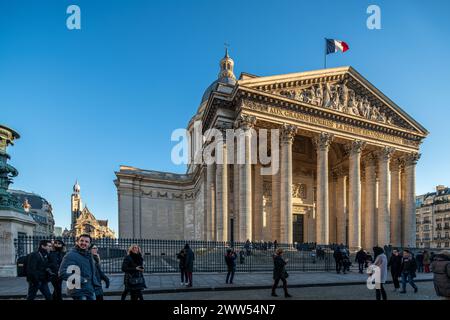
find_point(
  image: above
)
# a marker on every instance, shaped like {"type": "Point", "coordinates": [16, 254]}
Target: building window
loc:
{"type": "Point", "coordinates": [447, 244]}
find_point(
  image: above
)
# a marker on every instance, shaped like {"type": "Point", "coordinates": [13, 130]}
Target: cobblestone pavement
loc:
{"type": "Point", "coordinates": [347, 292]}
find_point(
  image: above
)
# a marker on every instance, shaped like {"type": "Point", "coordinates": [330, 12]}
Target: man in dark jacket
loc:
{"type": "Point", "coordinates": [408, 270]}
{"type": "Point", "coordinates": [279, 273]}
{"type": "Point", "coordinates": [337, 255]}
{"type": "Point", "coordinates": [441, 271]}
{"type": "Point", "coordinates": [54, 259]}
{"type": "Point", "coordinates": [38, 271]}
{"type": "Point", "coordinates": [395, 263]}
{"type": "Point", "coordinates": [189, 263]}
{"type": "Point", "coordinates": [361, 259]}
{"type": "Point", "coordinates": [78, 269]}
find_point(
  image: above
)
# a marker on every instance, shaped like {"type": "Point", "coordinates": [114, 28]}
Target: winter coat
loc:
{"type": "Point", "coordinates": [189, 265]}
{"type": "Point", "coordinates": [88, 279]}
{"type": "Point", "coordinates": [441, 271]}
{"type": "Point", "coordinates": [426, 258]}
{"type": "Point", "coordinates": [129, 266]}
{"type": "Point", "coordinates": [230, 260]}
{"type": "Point", "coordinates": [182, 257]}
{"type": "Point", "coordinates": [360, 256]}
{"type": "Point", "coordinates": [54, 260]}
{"type": "Point", "coordinates": [100, 276]}
{"type": "Point", "coordinates": [279, 267]}
{"type": "Point", "coordinates": [395, 263]}
{"type": "Point", "coordinates": [381, 262]}
{"type": "Point", "coordinates": [37, 267]}
{"type": "Point", "coordinates": [409, 266]}
{"type": "Point", "coordinates": [337, 255]}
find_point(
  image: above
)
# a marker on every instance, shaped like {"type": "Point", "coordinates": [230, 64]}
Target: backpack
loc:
{"type": "Point", "coordinates": [22, 266]}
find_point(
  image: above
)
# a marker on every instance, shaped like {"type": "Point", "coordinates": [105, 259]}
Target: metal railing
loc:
{"type": "Point", "coordinates": [160, 256]}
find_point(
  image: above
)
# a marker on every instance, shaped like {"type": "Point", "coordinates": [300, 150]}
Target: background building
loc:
{"type": "Point", "coordinates": [58, 231]}
{"type": "Point", "coordinates": [433, 218]}
{"type": "Point", "coordinates": [83, 221]}
{"type": "Point", "coordinates": [39, 209]}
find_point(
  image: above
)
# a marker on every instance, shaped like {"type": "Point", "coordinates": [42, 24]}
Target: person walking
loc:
{"type": "Point", "coordinates": [441, 274]}
{"type": "Point", "coordinates": [55, 258]}
{"type": "Point", "coordinates": [279, 273]}
{"type": "Point", "coordinates": [189, 266]}
{"type": "Point", "coordinates": [408, 271]}
{"type": "Point", "coordinates": [133, 267]}
{"type": "Point", "coordinates": [361, 259]}
{"type": "Point", "coordinates": [426, 261]}
{"type": "Point", "coordinates": [395, 263]}
{"type": "Point", "coordinates": [419, 261]}
{"type": "Point", "coordinates": [230, 260]}
{"type": "Point", "coordinates": [38, 271]}
{"type": "Point", "coordinates": [337, 255]}
{"type": "Point", "coordinates": [381, 263]}
{"type": "Point", "coordinates": [79, 259]}
{"type": "Point", "coordinates": [182, 265]}
{"type": "Point", "coordinates": [101, 276]}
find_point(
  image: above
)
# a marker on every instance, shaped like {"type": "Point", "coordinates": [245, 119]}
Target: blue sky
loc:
{"type": "Point", "coordinates": [86, 101]}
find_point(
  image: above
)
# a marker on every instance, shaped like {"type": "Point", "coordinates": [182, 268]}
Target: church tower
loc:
{"type": "Point", "coordinates": [76, 204]}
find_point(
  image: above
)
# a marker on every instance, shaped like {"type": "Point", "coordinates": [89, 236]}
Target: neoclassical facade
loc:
{"type": "Point", "coordinates": [346, 174]}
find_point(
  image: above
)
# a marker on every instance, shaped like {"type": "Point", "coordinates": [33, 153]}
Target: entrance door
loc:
{"type": "Point", "coordinates": [298, 228]}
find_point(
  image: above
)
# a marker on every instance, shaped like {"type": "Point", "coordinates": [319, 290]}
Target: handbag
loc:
{"type": "Point", "coordinates": [136, 281]}
{"type": "Point", "coordinates": [285, 274]}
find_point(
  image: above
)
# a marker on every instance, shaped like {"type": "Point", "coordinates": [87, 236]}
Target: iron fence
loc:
{"type": "Point", "coordinates": [160, 256]}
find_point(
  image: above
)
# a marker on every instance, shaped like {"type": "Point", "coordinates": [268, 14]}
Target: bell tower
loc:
{"type": "Point", "coordinates": [75, 204]}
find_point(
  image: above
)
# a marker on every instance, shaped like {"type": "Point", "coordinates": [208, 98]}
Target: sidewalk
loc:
{"type": "Point", "coordinates": [16, 288]}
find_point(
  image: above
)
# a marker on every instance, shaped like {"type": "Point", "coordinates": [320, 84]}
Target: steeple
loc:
{"type": "Point", "coordinates": [226, 68]}
{"type": "Point", "coordinates": [76, 187]}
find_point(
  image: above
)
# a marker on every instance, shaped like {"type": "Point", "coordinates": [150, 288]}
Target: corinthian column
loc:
{"type": "Point", "coordinates": [287, 137]}
{"type": "Point", "coordinates": [322, 144]}
{"type": "Point", "coordinates": [396, 204]}
{"type": "Point", "coordinates": [275, 211]}
{"type": "Point", "coordinates": [370, 237]}
{"type": "Point", "coordinates": [222, 193]}
{"type": "Point", "coordinates": [354, 177]}
{"type": "Point", "coordinates": [341, 205]}
{"type": "Point", "coordinates": [245, 123]}
{"type": "Point", "coordinates": [409, 218]}
{"type": "Point", "coordinates": [384, 216]}
{"type": "Point", "coordinates": [210, 196]}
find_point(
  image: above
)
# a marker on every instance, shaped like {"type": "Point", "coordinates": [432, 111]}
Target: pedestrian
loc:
{"type": "Point", "coordinates": [55, 258]}
{"type": "Point", "coordinates": [381, 263]}
{"type": "Point", "coordinates": [395, 263]}
{"type": "Point", "coordinates": [441, 271]}
{"type": "Point", "coordinates": [279, 272]}
{"type": "Point", "coordinates": [241, 256]}
{"type": "Point", "coordinates": [189, 264]}
{"type": "Point", "coordinates": [408, 271]}
{"type": "Point", "coordinates": [426, 261]}
{"type": "Point", "coordinates": [230, 260]}
{"type": "Point", "coordinates": [275, 244]}
{"type": "Point", "coordinates": [182, 265]}
{"type": "Point", "coordinates": [419, 261]}
{"type": "Point", "coordinates": [133, 267]}
{"type": "Point", "coordinates": [361, 259]}
{"type": "Point", "coordinates": [79, 259]}
{"type": "Point", "coordinates": [337, 255]}
{"type": "Point", "coordinates": [101, 276]}
{"type": "Point", "coordinates": [38, 271]}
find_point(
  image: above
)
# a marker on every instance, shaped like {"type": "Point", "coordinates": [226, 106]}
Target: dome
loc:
{"type": "Point", "coordinates": [226, 76]}
{"type": "Point", "coordinates": [76, 187]}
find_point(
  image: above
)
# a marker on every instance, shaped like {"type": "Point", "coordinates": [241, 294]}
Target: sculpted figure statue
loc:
{"type": "Point", "coordinates": [335, 100]}
{"type": "Point", "coordinates": [319, 95]}
{"type": "Point", "coordinates": [327, 96]}
{"type": "Point", "coordinates": [344, 95]}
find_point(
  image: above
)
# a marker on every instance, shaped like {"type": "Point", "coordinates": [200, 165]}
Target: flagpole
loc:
{"type": "Point", "coordinates": [325, 54]}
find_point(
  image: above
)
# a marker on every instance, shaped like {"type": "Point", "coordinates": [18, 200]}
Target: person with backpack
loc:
{"type": "Point", "coordinates": [54, 259]}
{"type": "Point", "coordinates": [361, 259]}
{"type": "Point", "coordinates": [230, 260]}
{"type": "Point", "coordinates": [79, 260]}
{"type": "Point", "coordinates": [441, 271]}
{"type": "Point", "coordinates": [408, 270]}
{"type": "Point", "coordinates": [38, 272]}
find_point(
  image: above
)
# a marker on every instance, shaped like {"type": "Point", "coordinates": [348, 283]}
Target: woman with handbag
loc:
{"type": "Point", "coordinates": [133, 266]}
{"type": "Point", "coordinates": [279, 273]}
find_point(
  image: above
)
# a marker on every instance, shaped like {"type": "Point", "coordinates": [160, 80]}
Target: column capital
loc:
{"type": "Point", "coordinates": [322, 141]}
{"type": "Point", "coordinates": [223, 127]}
{"type": "Point", "coordinates": [338, 172]}
{"type": "Point", "coordinates": [411, 159]}
{"type": "Point", "coordinates": [370, 160]}
{"type": "Point", "coordinates": [355, 146]}
{"type": "Point", "coordinates": [396, 164]}
{"type": "Point", "coordinates": [385, 153]}
{"type": "Point", "coordinates": [245, 122]}
{"type": "Point", "coordinates": [288, 132]}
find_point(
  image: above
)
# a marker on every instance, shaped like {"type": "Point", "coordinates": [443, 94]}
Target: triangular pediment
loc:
{"type": "Point", "coordinates": [342, 90]}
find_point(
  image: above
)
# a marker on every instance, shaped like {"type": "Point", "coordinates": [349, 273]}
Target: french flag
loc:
{"type": "Point", "coordinates": [334, 45]}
